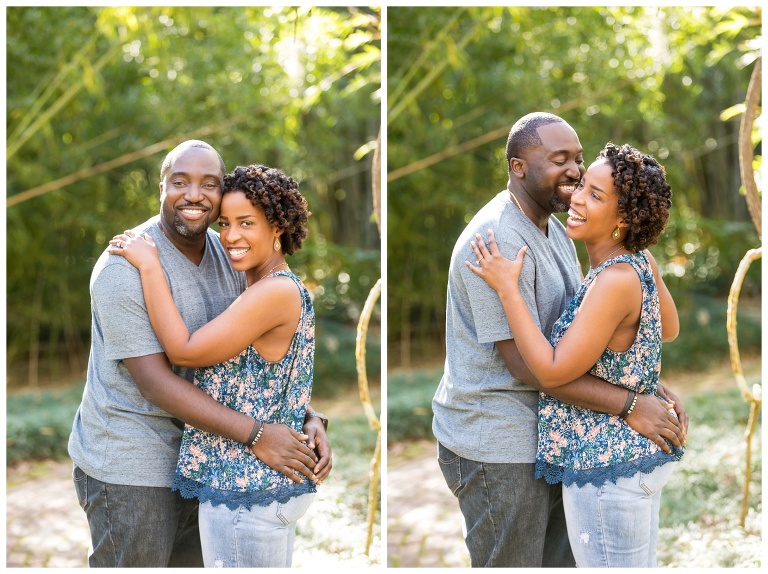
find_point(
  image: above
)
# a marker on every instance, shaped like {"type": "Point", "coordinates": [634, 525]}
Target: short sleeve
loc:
{"type": "Point", "coordinates": [488, 313]}
{"type": "Point", "coordinates": [121, 314]}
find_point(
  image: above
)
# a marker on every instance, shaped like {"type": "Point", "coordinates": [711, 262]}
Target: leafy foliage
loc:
{"type": "Point", "coordinates": [659, 78]}
{"type": "Point", "coordinates": [97, 95]}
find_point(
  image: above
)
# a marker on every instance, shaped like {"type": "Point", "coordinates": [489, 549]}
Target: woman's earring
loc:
{"type": "Point", "coordinates": [276, 245]}
{"type": "Point", "coordinates": [616, 233]}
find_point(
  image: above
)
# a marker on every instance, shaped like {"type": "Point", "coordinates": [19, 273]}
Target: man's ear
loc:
{"type": "Point", "coordinates": [517, 167]}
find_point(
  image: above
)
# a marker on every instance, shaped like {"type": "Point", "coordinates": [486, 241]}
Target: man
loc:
{"type": "Point", "coordinates": [125, 438]}
{"type": "Point", "coordinates": [485, 420]}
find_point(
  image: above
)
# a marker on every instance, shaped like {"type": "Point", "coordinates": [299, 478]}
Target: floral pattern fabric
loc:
{"type": "Point", "coordinates": [223, 471]}
{"type": "Point", "coordinates": [582, 446]}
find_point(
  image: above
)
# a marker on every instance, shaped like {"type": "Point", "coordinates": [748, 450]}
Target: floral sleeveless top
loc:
{"type": "Point", "coordinates": [224, 471]}
{"type": "Point", "coordinates": [582, 446]}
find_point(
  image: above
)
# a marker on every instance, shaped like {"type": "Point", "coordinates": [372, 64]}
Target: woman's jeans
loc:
{"type": "Point", "coordinates": [511, 519]}
{"type": "Point", "coordinates": [257, 538]}
{"type": "Point", "coordinates": [138, 526]}
{"type": "Point", "coordinates": [616, 525]}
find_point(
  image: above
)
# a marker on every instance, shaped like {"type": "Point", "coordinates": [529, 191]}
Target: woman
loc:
{"type": "Point", "coordinates": [612, 476]}
{"type": "Point", "coordinates": [257, 357]}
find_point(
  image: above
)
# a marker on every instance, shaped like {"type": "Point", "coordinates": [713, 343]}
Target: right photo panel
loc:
{"type": "Point", "coordinates": [574, 223]}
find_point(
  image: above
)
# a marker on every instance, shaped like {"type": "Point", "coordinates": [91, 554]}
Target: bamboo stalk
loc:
{"type": "Point", "coordinates": [365, 397]}
{"type": "Point", "coordinates": [746, 155]}
{"type": "Point", "coordinates": [754, 396]}
{"type": "Point", "coordinates": [751, 426]}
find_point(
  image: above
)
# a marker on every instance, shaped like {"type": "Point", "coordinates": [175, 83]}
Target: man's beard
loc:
{"type": "Point", "coordinates": [182, 228]}
{"type": "Point", "coordinates": [557, 205]}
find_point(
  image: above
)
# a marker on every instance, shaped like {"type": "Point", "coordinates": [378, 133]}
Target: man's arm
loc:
{"type": "Point", "coordinates": [280, 447]}
{"type": "Point", "coordinates": [650, 417]}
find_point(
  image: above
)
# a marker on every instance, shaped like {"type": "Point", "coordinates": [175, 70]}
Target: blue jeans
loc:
{"type": "Point", "coordinates": [138, 526]}
{"type": "Point", "coordinates": [259, 537]}
{"type": "Point", "coordinates": [616, 525]}
{"type": "Point", "coordinates": [511, 519]}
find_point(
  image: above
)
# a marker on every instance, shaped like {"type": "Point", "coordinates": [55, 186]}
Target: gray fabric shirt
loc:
{"type": "Point", "coordinates": [481, 412]}
{"type": "Point", "coordinates": [117, 436]}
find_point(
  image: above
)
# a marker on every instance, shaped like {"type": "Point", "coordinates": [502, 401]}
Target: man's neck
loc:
{"type": "Point", "coordinates": [532, 210]}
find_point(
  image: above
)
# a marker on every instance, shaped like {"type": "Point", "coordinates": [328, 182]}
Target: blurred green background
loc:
{"type": "Point", "coordinates": [669, 80]}
{"type": "Point", "coordinates": [96, 96]}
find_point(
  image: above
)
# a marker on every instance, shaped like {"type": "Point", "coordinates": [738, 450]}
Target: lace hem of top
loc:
{"type": "Point", "coordinates": [597, 476]}
{"type": "Point", "coordinates": [189, 488]}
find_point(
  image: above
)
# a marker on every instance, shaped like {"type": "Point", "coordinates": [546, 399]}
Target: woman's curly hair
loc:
{"type": "Point", "coordinates": [278, 195]}
{"type": "Point", "coordinates": [644, 194]}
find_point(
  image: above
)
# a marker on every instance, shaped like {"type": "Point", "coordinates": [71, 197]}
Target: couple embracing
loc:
{"type": "Point", "coordinates": [217, 332]}
{"type": "Point", "coordinates": [571, 474]}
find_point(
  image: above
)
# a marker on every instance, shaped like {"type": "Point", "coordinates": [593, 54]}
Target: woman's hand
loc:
{"type": "Point", "coordinates": [140, 251]}
{"type": "Point", "coordinates": [494, 268]}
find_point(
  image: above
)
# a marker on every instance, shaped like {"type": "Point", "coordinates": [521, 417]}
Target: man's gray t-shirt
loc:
{"type": "Point", "coordinates": [118, 436]}
{"type": "Point", "coordinates": [481, 412]}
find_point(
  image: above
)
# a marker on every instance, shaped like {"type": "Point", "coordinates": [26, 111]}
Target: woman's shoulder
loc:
{"type": "Point", "coordinates": [619, 279]}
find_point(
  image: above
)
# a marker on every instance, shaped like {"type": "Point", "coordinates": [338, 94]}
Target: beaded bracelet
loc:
{"type": "Point", "coordinates": [255, 435]}
{"type": "Point", "coordinates": [261, 429]}
{"type": "Point", "coordinates": [629, 406]}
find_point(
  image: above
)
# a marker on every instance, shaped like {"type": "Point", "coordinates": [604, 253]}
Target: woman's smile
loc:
{"type": "Point", "coordinates": [237, 253]}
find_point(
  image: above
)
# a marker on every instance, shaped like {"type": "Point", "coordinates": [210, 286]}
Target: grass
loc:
{"type": "Point", "coordinates": [701, 505]}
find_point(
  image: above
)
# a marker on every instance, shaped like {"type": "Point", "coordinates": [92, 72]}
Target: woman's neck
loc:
{"type": "Point", "coordinates": [274, 264]}
{"type": "Point", "coordinates": [599, 254]}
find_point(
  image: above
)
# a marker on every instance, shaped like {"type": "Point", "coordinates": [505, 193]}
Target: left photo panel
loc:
{"type": "Point", "coordinates": [193, 285]}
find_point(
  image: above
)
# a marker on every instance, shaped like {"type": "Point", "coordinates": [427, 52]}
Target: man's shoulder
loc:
{"type": "Point", "coordinates": [109, 268]}
{"type": "Point", "coordinates": [496, 214]}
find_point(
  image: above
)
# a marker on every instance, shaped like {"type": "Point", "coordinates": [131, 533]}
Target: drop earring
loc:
{"type": "Point", "coordinates": [276, 245]}
{"type": "Point", "coordinates": [616, 233]}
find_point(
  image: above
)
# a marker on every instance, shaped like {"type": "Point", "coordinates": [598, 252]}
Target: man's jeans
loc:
{"type": "Point", "coordinates": [259, 537]}
{"type": "Point", "coordinates": [511, 519]}
{"type": "Point", "coordinates": [138, 526]}
{"type": "Point", "coordinates": [616, 525]}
